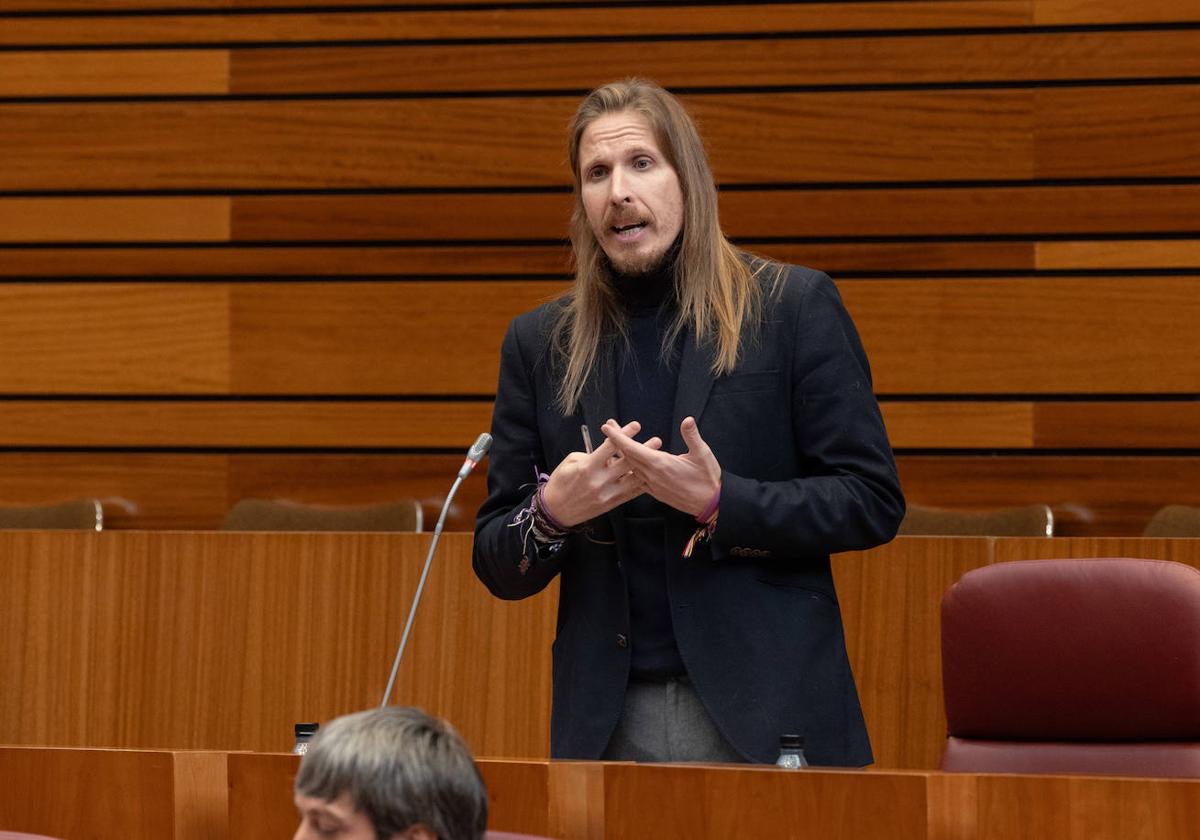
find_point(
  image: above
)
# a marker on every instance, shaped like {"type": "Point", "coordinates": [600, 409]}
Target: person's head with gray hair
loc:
{"type": "Point", "coordinates": [386, 774]}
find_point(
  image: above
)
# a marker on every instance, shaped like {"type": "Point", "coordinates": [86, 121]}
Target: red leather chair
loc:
{"type": "Point", "coordinates": [1073, 666]}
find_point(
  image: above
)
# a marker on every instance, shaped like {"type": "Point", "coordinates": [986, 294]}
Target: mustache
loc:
{"type": "Point", "coordinates": [619, 219]}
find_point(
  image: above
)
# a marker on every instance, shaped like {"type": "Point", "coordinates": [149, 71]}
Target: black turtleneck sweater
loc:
{"type": "Point", "coordinates": [646, 379]}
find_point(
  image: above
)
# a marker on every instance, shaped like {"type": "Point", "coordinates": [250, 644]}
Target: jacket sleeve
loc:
{"type": "Point", "coordinates": [846, 494]}
{"type": "Point", "coordinates": [504, 555]}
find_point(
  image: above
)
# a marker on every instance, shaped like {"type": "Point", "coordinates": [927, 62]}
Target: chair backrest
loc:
{"type": "Point", "coordinates": [1026, 521]}
{"type": "Point", "coordinates": [284, 515]}
{"type": "Point", "coordinates": [1174, 521]}
{"type": "Point", "coordinates": [1073, 666]}
{"type": "Point", "coordinates": [78, 514]}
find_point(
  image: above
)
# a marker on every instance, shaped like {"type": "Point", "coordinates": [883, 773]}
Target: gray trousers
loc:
{"type": "Point", "coordinates": [666, 722]}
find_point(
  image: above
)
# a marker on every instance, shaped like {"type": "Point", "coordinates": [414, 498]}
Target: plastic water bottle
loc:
{"type": "Point", "coordinates": [304, 734]}
{"type": "Point", "coordinates": [791, 752]}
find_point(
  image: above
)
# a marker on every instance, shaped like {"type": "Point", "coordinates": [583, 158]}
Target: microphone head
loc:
{"type": "Point", "coordinates": [479, 449]}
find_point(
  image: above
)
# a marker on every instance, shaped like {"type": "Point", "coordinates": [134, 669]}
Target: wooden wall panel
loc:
{"type": "Point", "coordinates": [1086, 134]}
{"type": "Point", "coordinates": [1098, 495]}
{"type": "Point", "coordinates": [498, 261]}
{"type": "Point", "coordinates": [1031, 336]}
{"type": "Point", "coordinates": [565, 21]}
{"type": "Point", "coordinates": [735, 63]}
{"type": "Point", "coordinates": [257, 423]}
{"type": "Point", "coordinates": [158, 219]}
{"type": "Point", "coordinates": [745, 214]}
{"type": "Point", "coordinates": [113, 795]}
{"type": "Point", "coordinates": [147, 72]}
{"type": "Point", "coordinates": [432, 338]}
{"type": "Point", "coordinates": [83, 423]}
{"type": "Point", "coordinates": [503, 141]}
{"type": "Point", "coordinates": [139, 490]}
{"type": "Point", "coordinates": [114, 339]}
{"type": "Point", "coordinates": [127, 639]}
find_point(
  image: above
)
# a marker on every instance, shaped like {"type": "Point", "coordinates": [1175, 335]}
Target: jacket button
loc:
{"type": "Point", "coordinates": [622, 641]}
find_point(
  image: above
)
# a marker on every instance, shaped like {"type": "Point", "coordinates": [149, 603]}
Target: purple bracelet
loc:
{"type": "Point", "coordinates": [712, 506]}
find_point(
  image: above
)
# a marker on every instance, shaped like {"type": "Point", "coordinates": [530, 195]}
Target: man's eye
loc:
{"type": "Point", "coordinates": [597, 172]}
{"type": "Point", "coordinates": [642, 163]}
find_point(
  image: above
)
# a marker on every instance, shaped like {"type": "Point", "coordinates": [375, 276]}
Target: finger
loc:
{"type": "Point", "coordinates": [625, 445]}
{"type": "Point", "coordinates": [654, 443]}
{"type": "Point", "coordinates": [691, 436]}
{"type": "Point", "coordinates": [605, 450]}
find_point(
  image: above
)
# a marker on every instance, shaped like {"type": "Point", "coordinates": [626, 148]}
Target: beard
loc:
{"type": "Point", "coordinates": [643, 266]}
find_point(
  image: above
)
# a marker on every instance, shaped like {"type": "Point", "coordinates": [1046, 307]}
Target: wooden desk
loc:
{"type": "Point", "coordinates": [222, 641]}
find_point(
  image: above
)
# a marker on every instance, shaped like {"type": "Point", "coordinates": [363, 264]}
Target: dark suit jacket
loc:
{"type": "Point", "coordinates": [806, 471]}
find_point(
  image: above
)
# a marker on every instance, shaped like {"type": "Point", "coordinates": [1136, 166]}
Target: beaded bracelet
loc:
{"type": "Point", "coordinates": [708, 524]}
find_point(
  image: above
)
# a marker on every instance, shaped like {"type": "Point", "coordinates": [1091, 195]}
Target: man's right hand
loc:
{"type": "Point", "coordinates": [584, 486]}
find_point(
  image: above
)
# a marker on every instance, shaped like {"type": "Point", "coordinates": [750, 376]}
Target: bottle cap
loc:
{"type": "Point", "coordinates": [791, 742]}
{"type": "Point", "coordinates": [306, 730]}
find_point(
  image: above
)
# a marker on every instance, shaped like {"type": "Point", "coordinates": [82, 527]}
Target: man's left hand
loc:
{"type": "Point", "coordinates": [686, 482]}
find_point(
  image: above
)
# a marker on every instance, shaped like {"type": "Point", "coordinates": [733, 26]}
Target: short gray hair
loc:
{"type": "Point", "coordinates": [401, 767]}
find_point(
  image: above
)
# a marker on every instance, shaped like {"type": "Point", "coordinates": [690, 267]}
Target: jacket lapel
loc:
{"type": "Point", "coordinates": [599, 399]}
{"type": "Point", "coordinates": [691, 392]}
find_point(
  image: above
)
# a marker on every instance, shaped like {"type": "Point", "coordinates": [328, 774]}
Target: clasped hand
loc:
{"type": "Point", "coordinates": [585, 486]}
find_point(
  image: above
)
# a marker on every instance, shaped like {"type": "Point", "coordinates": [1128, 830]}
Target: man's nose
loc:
{"type": "Point", "coordinates": [618, 188]}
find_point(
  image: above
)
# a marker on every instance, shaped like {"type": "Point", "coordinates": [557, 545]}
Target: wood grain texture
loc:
{"type": "Point", "coordinates": [127, 639]}
{"type": "Point", "coordinates": [1184, 551]}
{"type": "Point", "coordinates": [567, 20]}
{"type": "Point", "coordinates": [359, 479]}
{"type": "Point", "coordinates": [114, 339]}
{"type": "Point", "coordinates": [891, 609]}
{"type": "Point", "coordinates": [1118, 425]}
{"type": "Point", "coordinates": [100, 795]}
{"type": "Point", "coordinates": [1093, 495]}
{"type": "Point", "coordinates": [1029, 336]}
{"type": "Point", "coordinates": [260, 795]}
{"type": "Point", "coordinates": [956, 424]}
{"type": "Point", "coordinates": [1078, 807]}
{"type": "Point", "coordinates": [725, 63]}
{"type": "Point", "coordinates": [302, 259]}
{"type": "Point", "coordinates": [145, 490]}
{"type": "Point", "coordinates": [745, 214]}
{"type": "Point", "coordinates": [145, 72]}
{"type": "Point", "coordinates": [240, 424]}
{"type": "Point", "coordinates": [900, 135]}
{"type": "Point", "coordinates": [1085, 134]}
{"type": "Point", "coordinates": [674, 801]}
{"type": "Point", "coordinates": [374, 337]}
{"type": "Point", "coordinates": [192, 219]}
{"type": "Point", "coordinates": [201, 782]}
{"type": "Point", "coordinates": [1173, 253]}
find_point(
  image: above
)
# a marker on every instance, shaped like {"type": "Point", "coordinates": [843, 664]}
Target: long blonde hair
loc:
{"type": "Point", "coordinates": [715, 285]}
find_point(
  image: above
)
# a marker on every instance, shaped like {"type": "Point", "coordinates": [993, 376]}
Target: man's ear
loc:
{"type": "Point", "coordinates": [420, 831]}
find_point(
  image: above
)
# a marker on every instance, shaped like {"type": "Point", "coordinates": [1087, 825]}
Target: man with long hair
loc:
{"type": "Point", "coordinates": [697, 616]}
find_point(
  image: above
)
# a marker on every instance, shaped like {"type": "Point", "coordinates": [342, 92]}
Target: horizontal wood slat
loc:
{"type": "Point", "coordinates": [1069, 335]}
{"type": "Point", "coordinates": [180, 424]}
{"type": "Point", "coordinates": [158, 72]}
{"type": "Point", "coordinates": [522, 260]}
{"type": "Point", "coordinates": [954, 59]}
{"type": "Point", "coordinates": [488, 23]}
{"type": "Point", "coordinates": [1090, 494]}
{"type": "Point", "coordinates": [190, 219]}
{"type": "Point", "coordinates": [1116, 254]}
{"type": "Point", "coordinates": [744, 214]}
{"type": "Point", "coordinates": [874, 136]}
{"type": "Point", "coordinates": [118, 338]}
{"type": "Point", "coordinates": [931, 336]}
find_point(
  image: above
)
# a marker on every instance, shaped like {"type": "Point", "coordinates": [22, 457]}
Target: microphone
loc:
{"type": "Point", "coordinates": [475, 454]}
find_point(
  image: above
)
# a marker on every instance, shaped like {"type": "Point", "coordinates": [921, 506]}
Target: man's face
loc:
{"type": "Point", "coordinates": [338, 819]}
{"type": "Point", "coordinates": [334, 819]}
{"type": "Point", "coordinates": [631, 194]}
